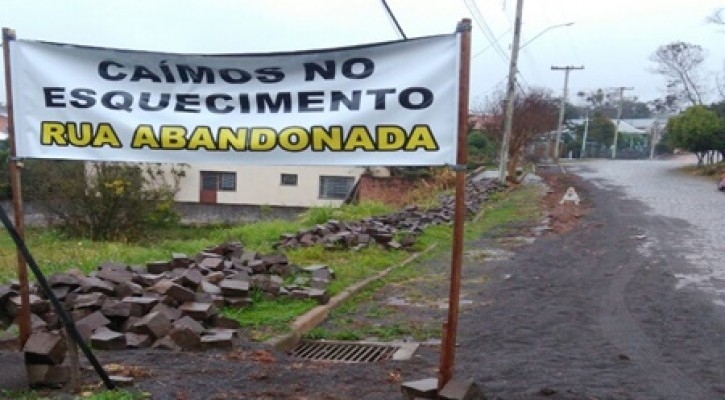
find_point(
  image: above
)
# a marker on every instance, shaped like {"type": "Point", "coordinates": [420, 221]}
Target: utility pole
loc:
{"type": "Point", "coordinates": [655, 132]}
{"type": "Point", "coordinates": [510, 94]}
{"type": "Point", "coordinates": [621, 90]}
{"type": "Point", "coordinates": [586, 131]}
{"type": "Point", "coordinates": [566, 70]}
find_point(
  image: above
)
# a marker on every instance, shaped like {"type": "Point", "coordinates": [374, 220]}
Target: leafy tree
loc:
{"type": "Point", "coordinates": [698, 130]}
{"type": "Point", "coordinates": [605, 103]}
{"type": "Point", "coordinates": [601, 129]}
{"type": "Point", "coordinates": [680, 63]}
{"type": "Point", "coordinates": [480, 148]}
{"type": "Point", "coordinates": [535, 113]}
{"type": "Point", "coordinates": [103, 201]}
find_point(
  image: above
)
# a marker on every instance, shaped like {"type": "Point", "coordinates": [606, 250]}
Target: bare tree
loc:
{"type": "Point", "coordinates": [535, 114]}
{"type": "Point", "coordinates": [718, 18]}
{"type": "Point", "coordinates": [680, 63]}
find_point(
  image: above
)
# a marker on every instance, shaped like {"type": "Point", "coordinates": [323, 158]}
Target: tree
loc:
{"type": "Point", "coordinates": [606, 102]}
{"type": "Point", "coordinates": [680, 63]}
{"type": "Point", "coordinates": [535, 114]}
{"type": "Point", "coordinates": [101, 201]}
{"type": "Point", "coordinates": [601, 130]}
{"type": "Point", "coordinates": [718, 18]}
{"type": "Point", "coordinates": [698, 130]}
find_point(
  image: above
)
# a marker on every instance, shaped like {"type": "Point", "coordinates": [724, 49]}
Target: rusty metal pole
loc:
{"type": "Point", "coordinates": [14, 164]}
{"type": "Point", "coordinates": [448, 345]}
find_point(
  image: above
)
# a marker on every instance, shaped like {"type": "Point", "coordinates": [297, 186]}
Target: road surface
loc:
{"type": "Point", "coordinates": [669, 193]}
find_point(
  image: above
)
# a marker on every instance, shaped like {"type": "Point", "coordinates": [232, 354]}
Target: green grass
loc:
{"type": "Point", "coordinates": [499, 212]}
{"type": "Point", "coordinates": [266, 318]}
{"type": "Point", "coordinates": [713, 171]}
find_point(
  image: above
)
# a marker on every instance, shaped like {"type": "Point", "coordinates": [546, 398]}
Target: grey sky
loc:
{"type": "Point", "coordinates": [612, 39]}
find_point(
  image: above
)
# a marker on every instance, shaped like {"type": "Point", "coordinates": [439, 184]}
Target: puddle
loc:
{"type": "Point", "coordinates": [488, 255]}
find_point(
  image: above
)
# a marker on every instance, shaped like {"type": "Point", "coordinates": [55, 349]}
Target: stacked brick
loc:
{"type": "Point", "coordinates": [397, 230]}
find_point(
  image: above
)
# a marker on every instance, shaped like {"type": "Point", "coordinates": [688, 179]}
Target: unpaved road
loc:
{"type": "Point", "coordinates": [623, 307]}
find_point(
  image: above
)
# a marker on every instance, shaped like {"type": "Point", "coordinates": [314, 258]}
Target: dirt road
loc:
{"type": "Point", "coordinates": [596, 311]}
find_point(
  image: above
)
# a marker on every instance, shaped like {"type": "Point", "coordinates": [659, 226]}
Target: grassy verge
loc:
{"type": "Point", "coordinates": [503, 210]}
{"type": "Point", "coordinates": [713, 171]}
{"type": "Point", "coordinates": [265, 317]}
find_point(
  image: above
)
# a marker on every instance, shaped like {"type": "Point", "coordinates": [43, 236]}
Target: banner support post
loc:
{"type": "Point", "coordinates": [23, 317]}
{"type": "Point", "coordinates": [448, 344]}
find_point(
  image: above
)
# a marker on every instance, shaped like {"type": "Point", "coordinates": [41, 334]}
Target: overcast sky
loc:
{"type": "Point", "coordinates": [612, 39]}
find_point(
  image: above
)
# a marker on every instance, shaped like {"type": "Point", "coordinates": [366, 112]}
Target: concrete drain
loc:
{"type": "Point", "coordinates": [353, 352]}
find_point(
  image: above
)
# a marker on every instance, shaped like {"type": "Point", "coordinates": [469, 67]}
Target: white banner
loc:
{"type": "Point", "coordinates": [390, 103]}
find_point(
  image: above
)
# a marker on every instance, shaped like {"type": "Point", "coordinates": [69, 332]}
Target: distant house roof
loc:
{"type": "Point", "coordinates": [480, 121]}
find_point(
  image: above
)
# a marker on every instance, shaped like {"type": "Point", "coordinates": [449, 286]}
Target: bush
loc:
{"type": "Point", "coordinates": [103, 201]}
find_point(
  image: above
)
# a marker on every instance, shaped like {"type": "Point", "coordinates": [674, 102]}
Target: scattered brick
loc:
{"type": "Point", "coordinates": [106, 339]}
{"type": "Point", "coordinates": [155, 324]}
{"type": "Point", "coordinates": [45, 348]}
{"type": "Point", "coordinates": [198, 311]}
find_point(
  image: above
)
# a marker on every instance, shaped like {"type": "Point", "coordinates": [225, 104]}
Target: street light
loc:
{"type": "Point", "coordinates": [513, 70]}
{"type": "Point", "coordinates": [544, 31]}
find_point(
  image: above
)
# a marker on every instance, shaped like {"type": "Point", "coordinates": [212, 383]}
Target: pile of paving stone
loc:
{"type": "Point", "coordinates": [397, 230]}
{"type": "Point", "coordinates": [171, 304]}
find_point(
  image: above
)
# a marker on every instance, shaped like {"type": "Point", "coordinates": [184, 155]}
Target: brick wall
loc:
{"type": "Point", "coordinates": [388, 189]}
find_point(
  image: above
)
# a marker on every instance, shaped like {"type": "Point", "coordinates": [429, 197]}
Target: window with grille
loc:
{"type": "Point", "coordinates": [288, 180]}
{"type": "Point", "coordinates": [219, 181]}
{"type": "Point", "coordinates": [335, 187]}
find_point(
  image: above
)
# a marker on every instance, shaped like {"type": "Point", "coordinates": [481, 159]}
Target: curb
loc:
{"type": "Point", "coordinates": [317, 315]}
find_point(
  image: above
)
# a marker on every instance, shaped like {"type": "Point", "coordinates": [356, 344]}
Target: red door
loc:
{"type": "Point", "coordinates": [209, 185]}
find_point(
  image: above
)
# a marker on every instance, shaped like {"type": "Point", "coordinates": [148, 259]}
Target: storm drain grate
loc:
{"type": "Point", "coordinates": [353, 352]}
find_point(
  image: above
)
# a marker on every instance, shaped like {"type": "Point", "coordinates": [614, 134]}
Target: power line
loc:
{"type": "Point", "coordinates": [394, 20]}
{"type": "Point", "coordinates": [484, 28]}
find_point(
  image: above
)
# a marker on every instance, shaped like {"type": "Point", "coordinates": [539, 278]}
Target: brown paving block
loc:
{"type": "Point", "coordinates": [423, 389]}
{"type": "Point", "coordinates": [217, 340]}
{"type": "Point", "coordinates": [140, 305]}
{"type": "Point", "coordinates": [457, 389]}
{"type": "Point", "coordinates": [234, 288]}
{"type": "Point", "coordinates": [106, 339]}
{"type": "Point", "coordinates": [190, 323]}
{"type": "Point", "coordinates": [45, 348]}
{"type": "Point", "coordinates": [158, 267]}
{"type": "Point", "coordinates": [198, 311]}
{"type": "Point", "coordinates": [92, 284]}
{"type": "Point", "coordinates": [88, 324]}
{"type": "Point", "coordinates": [48, 375]}
{"type": "Point", "coordinates": [137, 340]}
{"type": "Point", "coordinates": [186, 338]}
{"type": "Point", "coordinates": [155, 324]}
{"type": "Point", "coordinates": [92, 300]}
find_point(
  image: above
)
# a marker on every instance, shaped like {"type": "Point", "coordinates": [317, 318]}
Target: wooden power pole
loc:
{"type": "Point", "coordinates": [566, 70]}
{"type": "Point", "coordinates": [510, 93]}
{"type": "Point", "coordinates": [621, 90]}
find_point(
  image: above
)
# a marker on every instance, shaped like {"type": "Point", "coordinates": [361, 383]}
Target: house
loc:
{"type": "Point", "coordinates": [232, 193]}
{"type": "Point", "coordinates": [295, 186]}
